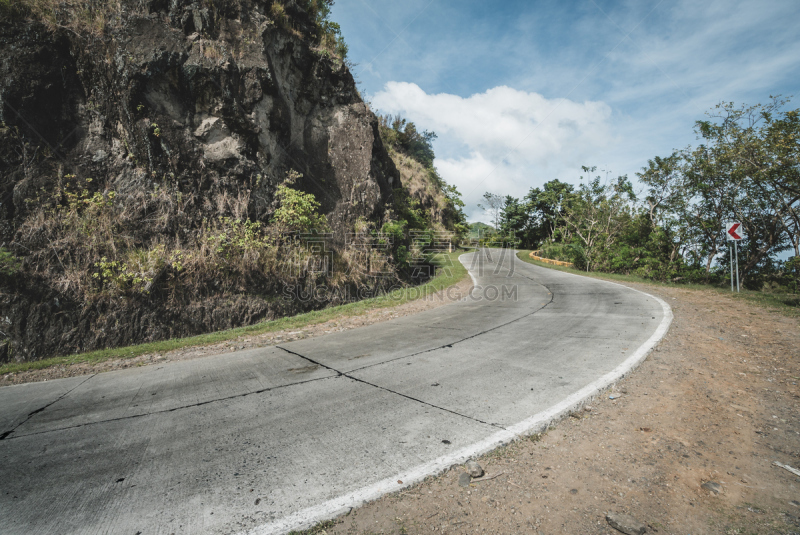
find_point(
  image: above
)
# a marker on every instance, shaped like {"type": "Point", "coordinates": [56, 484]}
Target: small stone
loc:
{"type": "Point", "coordinates": [464, 479]}
{"type": "Point", "coordinates": [626, 524]}
{"type": "Point", "coordinates": [474, 469]}
{"type": "Point", "coordinates": [795, 503]}
{"type": "Point", "coordinates": [194, 37]}
{"type": "Point", "coordinates": [588, 408]}
{"type": "Point", "coordinates": [712, 486]}
{"type": "Point", "coordinates": [573, 491]}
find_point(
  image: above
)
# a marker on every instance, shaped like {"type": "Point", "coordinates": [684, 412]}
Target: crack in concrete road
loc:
{"type": "Point", "coordinates": [342, 374]}
{"type": "Point", "coordinates": [459, 341]}
{"type": "Point", "coordinates": [5, 435]}
{"type": "Point", "coordinates": [347, 374]}
{"type": "Point", "coordinates": [133, 416]}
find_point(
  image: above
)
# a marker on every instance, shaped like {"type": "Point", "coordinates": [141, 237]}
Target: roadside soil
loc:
{"type": "Point", "coordinates": [343, 323]}
{"type": "Point", "coordinates": [718, 401]}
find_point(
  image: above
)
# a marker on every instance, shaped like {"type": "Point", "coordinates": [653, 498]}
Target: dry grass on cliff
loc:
{"type": "Point", "coordinates": [92, 243]}
{"type": "Point", "coordinates": [420, 185]}
{"type": "Point", "coordinates": [404, 301]}
{"type": "Point", "coordinates": [79, 17]}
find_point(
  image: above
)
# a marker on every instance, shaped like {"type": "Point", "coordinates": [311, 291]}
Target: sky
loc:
{"type": "Point", "coordinates": [522, 92]}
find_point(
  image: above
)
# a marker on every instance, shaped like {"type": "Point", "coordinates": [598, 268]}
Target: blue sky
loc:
{"type": "Point", "coordinates": [520, 92]}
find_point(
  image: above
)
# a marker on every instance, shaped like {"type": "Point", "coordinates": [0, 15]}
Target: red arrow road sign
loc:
{"type": "Point", "coordinates": [732, 231]}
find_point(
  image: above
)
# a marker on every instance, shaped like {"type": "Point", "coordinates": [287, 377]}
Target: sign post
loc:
{"type": "Point", "coordinates": [730, 256]}
{"type": "Point", "coordinates": [733, 233]}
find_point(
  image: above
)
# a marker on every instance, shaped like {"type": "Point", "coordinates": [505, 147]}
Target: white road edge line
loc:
{"type": "Point", "coordinates": [474, 280]}
{"type": "Point", "coordinates": [536, 423]}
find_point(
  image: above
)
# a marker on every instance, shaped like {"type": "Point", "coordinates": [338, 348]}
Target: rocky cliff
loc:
{"type": "Point", "coordinates": [153, 135]}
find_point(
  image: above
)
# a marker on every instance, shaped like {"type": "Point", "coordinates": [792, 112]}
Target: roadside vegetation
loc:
{"type": "Point", "coordinates": [745, 169]}
{"type": "Point", "coordinates": [777, 300]}
{"type": "Point", "coordinates": [424, 201]}
{"type": "Point", "coordinates": [99, 248]}
{"type": "Point", "coordinates": [449, 271]}
{"type": "Point", "coordinates": [427, 211]}
{"type": "Point", "coordinates": [91, 243]}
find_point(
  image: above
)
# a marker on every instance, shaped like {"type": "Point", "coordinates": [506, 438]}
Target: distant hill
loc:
{"type": "Point", "coordinates": [478, 229]}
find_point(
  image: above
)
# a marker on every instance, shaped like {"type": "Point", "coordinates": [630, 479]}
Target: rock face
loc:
{"type": "Point", "coordinates": [213, 101]}
{"type": "Point", "coordinates": [209, 113]}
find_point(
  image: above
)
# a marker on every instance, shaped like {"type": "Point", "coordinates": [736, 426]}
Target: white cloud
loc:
{"type": "Point", "coordinates": [658, 65]}
{"type": "Point", "coordinates": [504, 140]}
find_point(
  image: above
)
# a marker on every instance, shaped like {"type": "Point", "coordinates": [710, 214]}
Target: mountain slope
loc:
{"type": "Point", "coordinates": [142, 147]}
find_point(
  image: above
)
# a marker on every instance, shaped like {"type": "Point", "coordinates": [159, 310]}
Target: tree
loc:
{"type": "Point", "coordinates": [782, 139]}
{"type": "Point", "coordinates": [329, 33]}
{"type": "Point", "coordinates": [548, 207]}
{"type": "Point", "coordinates": [514, 219]}
{"type": "Point", "coordinates": [747, 169]}
{"type": "Point", "coordinates": [755, 152]}
{"type": "Point", "coordinates": [404, 137]}
{"type": "Point", "coordinates": [667, 202]}
{"type": "Point", "coordinates": [664, 178]}
{"type": "Point", "coordinates": [493, 204]}
{"type": "Point", "coordinates": [454, 217]}
{"type": "Point", "coordinates": [596, 214]}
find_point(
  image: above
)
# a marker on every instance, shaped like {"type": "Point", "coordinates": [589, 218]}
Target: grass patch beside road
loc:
{"type": "Point", "coordinates": [451, 272]}
{"type": "Point", "coordinates": [783, 303]}
{"type": "Point", "coordinates": [617, 277]}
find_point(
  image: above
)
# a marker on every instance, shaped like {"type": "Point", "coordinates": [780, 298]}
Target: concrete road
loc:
{"type": "Point", "coordinates": [266, 440]}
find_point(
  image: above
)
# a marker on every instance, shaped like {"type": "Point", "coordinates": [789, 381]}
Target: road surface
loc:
{"type": "Point", "coordinates": [270, 439]}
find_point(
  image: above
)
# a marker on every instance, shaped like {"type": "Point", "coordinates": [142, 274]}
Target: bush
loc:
{"type": "Point", "coordinates": [10, 265]}
{"type": "Point", "coordinates": [135, 274]}
{"type": "Point", "coordinates": [7, 9]}
{"type": "Point", "coordinates": [298, 211]}
{"type": "Point", "coordinates": [278, 13]}
{"type": "Point", "coordinates": [563, 252]}
{"type": "Point", "coordinates": [791, 274]}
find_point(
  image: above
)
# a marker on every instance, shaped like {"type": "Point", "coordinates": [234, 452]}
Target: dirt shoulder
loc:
{"type": "Point", "coordinates": [376, 315]}
{"type": "Point", "coordinates": [717, 401]}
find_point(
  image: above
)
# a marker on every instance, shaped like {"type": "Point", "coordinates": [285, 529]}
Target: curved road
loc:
{"type": "Point", "coordinates": [266, 440]}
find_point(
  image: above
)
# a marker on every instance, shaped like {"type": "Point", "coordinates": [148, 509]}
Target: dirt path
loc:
{"type": "Point", "coordinates": [718, 401]}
